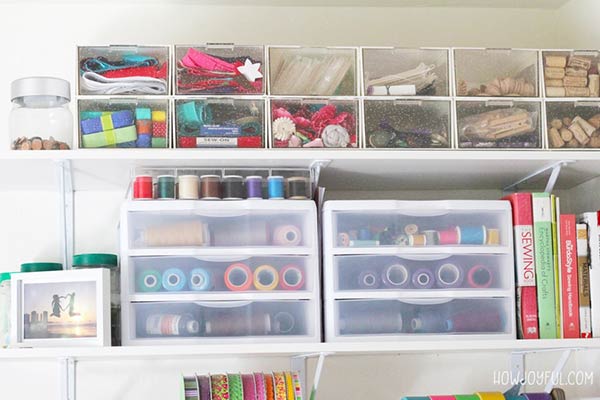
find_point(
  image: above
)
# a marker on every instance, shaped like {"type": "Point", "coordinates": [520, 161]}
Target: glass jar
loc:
{"type": "Point", "coordinates": [40, 118]}
{"type": "Point", "coordinates": [4, 309]}
{"type": "Point", "coordinates": [109, 261]}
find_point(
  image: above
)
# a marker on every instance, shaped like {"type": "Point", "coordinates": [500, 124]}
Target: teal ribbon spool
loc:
{"type": "Point", "coordinates": [149, 280]}
{"type": "Point", "coordinates": [192, 115]}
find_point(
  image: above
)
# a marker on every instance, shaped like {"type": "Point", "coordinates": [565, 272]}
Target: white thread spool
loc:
{"type": "Point", "coordinates": [189, 187]}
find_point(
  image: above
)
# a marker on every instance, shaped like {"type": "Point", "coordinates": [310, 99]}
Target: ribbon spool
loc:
{"type": "Point", "coordinates": [269, 386]}
{"type": "Point", "coordinates": [200, 280]}
{"type": "Point", "coordinates": [219, 385]}
{"type": "Point", "coordinates": [236, 390]}
{"type": "Point", "coordinates": [189, 188]}
{"type": "Point", "coordinates": [260, 383]}
{"type": "Point", "coordinates": [368, 279]}
{"type": "Point", "coordinates": [238, 277]}
{"type": "Point", "coordinates": [449, 276]}
{"type": "Point", "coordinates": [297, 188]}
{"type": "Point", "coordinates": [423, 279]}
{"type": "Point", "coordinates": [283, 323]}
{"type": "Point", "coordinates": [291, 277]}
{"type": "Point", "coordinates": [266, 278]}
{"type": "Point", "coordinates": [287, 235]}
{"type": "Point", "coordinates": [142, 187]}
{"type": "Point", "coordinates": [210, 187]}
{"type": "Point", "coordinates": [233, 187]}
{"type": "Point", "coordinates": [149, 280]}
{"type": "Point", "coordinates": [471, 234]}
{"type": "Point", "coordinates": [204, 386]}
{"type": "Point", "coordinates": [173, 280]}
{"type": "Point", "coordinates": [254, 187]}
{"type": "Point", "coordinates": [369, 323]}
{"type": "Point", "coordinates": [558, 394]}
{"type": "Point", "coordinates": [448, 397]}
{"type": "Point", "coordinates": [480, 277]}
{"type": "Point", "coordinates": [249, 387]}
{"type": "Point", "coordinates": [428, 321]}
{"type": "Point", "coordinates": [289, 385]}
{"type": "Point", "coordinates": [395, 276]}
{"type": "Point", "coordinates": [224, 324]}
{"type": "Point", "coordinates": [275, 187]}
{"type": "Point", "coordinates": [491, 396]}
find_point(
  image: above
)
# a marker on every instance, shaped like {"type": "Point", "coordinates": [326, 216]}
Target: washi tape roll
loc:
{"type": "Point", "coordinates": [537, 396]}
{"type": "Point", "coordinates": [471, 234]}
{"type": "Point", "coordinates": [236, 390]}
{"type": "Point", "coordinates": [149, 280]}
{"type": "Point", "coordinates": [249, 387]}
{"type": "Point", "coordinates": [279, 384]}
{"type": "Point", "coordinates": [417, 398]}
{"type": "Point", "coordinates": [291, 277]}
{"type": "Point", "coordinates": [432, 237]}
{"type": "Point", "coordinates": [204, 385]}
{"type": "Point", "coordinates": [173, 280]}
{"type": "Point", "coordinates": [444, 397]}
{"type": "Point", "coordinates": [368, 279]}
{"type": "Point", "coordinates": [466, 397]}
{"type": "Point", "coordinates": [490, 395]}
{"type": "Point", "coordinates": [275, 187]}
{"type": "Point", "coordinates": [259, 382]}
{"type": "Point", "coordinates": [269, 387]}
{"type": "Point", "coordinates": [200, 279]}
{"type": "Point", "coordinates": [423, 278]}
{"type": "Point", "coordinates": [287, 235]}
{"type": "Point", "coordinates": [411, 229]}
{"type": "Point", "coordinates": [448, 237]}
{"type": "Point", "coordinates": [283, 323]}
{"type": "Point", "coordinates": [480, 277]}
{"type": "Point", "coordinates": [449, 275]}
{"type": "Point", "coordinates": [297, 385]}
{"type": "Point", "coordinates": [395, 276]}
{"type": "Point", "coordinates": [289, 384]}
{"type": "Point", "coordinates": [557, 394]}
{"type": "Point", "coordinates": [493, 237]}
{"type": "Point", "coordinates": [514, 398]}
{"type": "Point", "coordinates": [219, 387]}
{"type": "Point", "coordinates": [266, 277]}
{"type": "Point", "coordinates": [238, 277]}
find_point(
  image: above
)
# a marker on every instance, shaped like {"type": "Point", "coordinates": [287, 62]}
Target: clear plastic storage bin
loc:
{"type": "Point", "coordinates": [573, 124]}
{"type": "Point", "coordinates": [389, 71]}
{"type": "Point", "coordinates": [571, 73]}
{"type": "Point", "coordinates": [398, 123]}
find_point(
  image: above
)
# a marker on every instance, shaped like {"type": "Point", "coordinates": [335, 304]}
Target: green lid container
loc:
{"type": "Point", "coordinates": [95, 260]}
{"type": "Point", "coordinates": [4, 276]}
{"type": "Point", "coordinates": [41, 267]}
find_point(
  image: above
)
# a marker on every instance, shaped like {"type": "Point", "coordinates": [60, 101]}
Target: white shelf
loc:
{"type": "Point", "coordinates": [246, 252]}
{"type": "Point", "coordinates": [222, 296]}
{"type": "Point", "coordinates": [408, 294]}
{"type": "Point", "coordinates": [425, 250]}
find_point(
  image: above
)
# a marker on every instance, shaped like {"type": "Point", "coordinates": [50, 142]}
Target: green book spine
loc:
{"type": "Point", "coordinates": [555, 257]}
{"type": "Point", "coordinates": [544, 264]}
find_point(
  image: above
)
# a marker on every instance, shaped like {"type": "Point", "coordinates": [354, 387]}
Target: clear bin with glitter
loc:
{"type": "Point", "coordinates": [573, 125]}
{"type": "Point", "coordinates": [571, 73]}
{"type": "Point", "coordinates": [407, 123]}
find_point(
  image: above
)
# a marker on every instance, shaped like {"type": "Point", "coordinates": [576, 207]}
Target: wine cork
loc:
{"type": "Point", "coordinates": [573, 144]}
{"type": "Point", "coordinates": [555, 91]}
{"type": "Point", "coordinates": [554, 83]}
{"type": "Point", "coordinates": [554, 73]}
{"type": "Point", "coordinates": [579, 133]}
{"type": "Point", "coordinates": [594, 85]}
{"type": "Point", "coordinates": [595, 142]}
{"type": "Point", "coordinates": [576, 72]}
{"type": "Point", "coordinates": [575, 81]}
{"type": "Point", "coordinates": [595, 121]}
{"type": "Point", "coordinates": [556, 123]}
{"type": "Point", "coordinates": [555, 61]}
{"type": "Point", "coordinates": [589, 129]}
{"type": "Point", "coordinates": [580, 62]}
{"type": "Point", "coordinates": [566, 135]}
{"type": "Point", "coordinates": [577, 92]}
{"type": "Point", "coordinates": [555, 139]}
{"type": "Point", "coordinates": [567, 121]}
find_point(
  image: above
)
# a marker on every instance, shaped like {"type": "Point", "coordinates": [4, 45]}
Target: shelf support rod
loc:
{"type": "Point", "coordinates": [562, 361]}
{"type": "Point", "coordinates": [65, 180]}
{"type": "Point", "coordinates": [316, 167]}
{"type": "Point", "coordinates": [298, 363]}
{"type": "Point", "coordinates": [556, 167]}
{"type": "Point", "coordinates": [67, 376]}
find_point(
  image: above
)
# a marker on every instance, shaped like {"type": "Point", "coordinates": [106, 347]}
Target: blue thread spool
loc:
{"type": "Point", "coordinates": [200, 279]}
{"type": "Point", "coordinates": [173, 280]}
{"type": "Point", "coordinates": [471, 234]}
{"type": "Point", "coordinates": [275, 187]}
{"type": "Point", "coordinates": [364, 234]}
{"type": "Point", "coordinates": [428, 321]}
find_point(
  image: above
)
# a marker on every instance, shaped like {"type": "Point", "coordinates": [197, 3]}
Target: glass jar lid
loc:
{"type": "Point", "coordinates": [40, 86]}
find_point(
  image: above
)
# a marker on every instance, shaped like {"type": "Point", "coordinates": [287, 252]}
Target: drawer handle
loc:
{"type": "Point", "coordinates": [223, 304]}
{"type": "Point", "coordinates": [424, 257]}
{"type": "Point", "coordinates": [425, 301]}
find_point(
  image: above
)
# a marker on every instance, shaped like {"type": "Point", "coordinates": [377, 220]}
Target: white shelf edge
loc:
{"type": "Point", "coordinates": [220, 251]}
{"type": "Point", "coordinates": [425, 250]}
{"type": "Point", "coordinates": [222, 296]}
{"type": "Point", "coordinates": [390, 294]}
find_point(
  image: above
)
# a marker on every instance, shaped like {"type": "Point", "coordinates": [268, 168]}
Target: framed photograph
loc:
{"type": "Point", "coordinates": [61, 308]}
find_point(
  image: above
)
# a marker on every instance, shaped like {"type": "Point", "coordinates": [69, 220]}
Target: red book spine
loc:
{"type": "Point", "coordinates": [568, 279]}
{"type": "Point", "coordinates": [527, 312]}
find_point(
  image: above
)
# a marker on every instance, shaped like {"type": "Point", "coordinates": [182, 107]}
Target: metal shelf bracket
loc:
{"type": "Point", "coordinates": [298, 363]}
{"type": "Point", "coordinates": [65, 180]}
{"type": "Point", "coordinates": [555, 168]}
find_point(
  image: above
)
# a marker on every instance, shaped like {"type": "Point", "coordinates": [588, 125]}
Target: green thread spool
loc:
{"type": "Point", "coordinates": [149, 281]}
{"type": "Point", "coordinates": [165, 187]}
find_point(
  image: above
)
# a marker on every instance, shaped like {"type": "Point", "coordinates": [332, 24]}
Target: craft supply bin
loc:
{"type": "Point", "coordinates": [245, 240]}
{"type": "Point", "coordinates": [394, 71]}
{"type": "Point", "coordinates": [499, 124]}
{"type": "Point", "coordinates": [496, 72]}
{"type": "Point", "coordinates": [387, 263]}
{"type": "Point", "coordinates": [573, 124]}
{"type": "Point", "coordinates": [124, 123]}
{"type": "Point", "coordinates": [124, 70]}
{"type": "Point", "coordinates": [571, 73]}
{"type": "Point", "coordinates": [313, 71]}
{"type": "Point", "coordinates": [220, 69]}
{"type": "Point", "coordinates": [407, 123]}
{"type": "Point", "coordinates": [314, 123]}
{"type": "Point", "coordinates": [220, 122]}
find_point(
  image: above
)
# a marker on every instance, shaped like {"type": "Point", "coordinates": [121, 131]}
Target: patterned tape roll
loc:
{"type": "Point", "coordinates": [200, 279]}
{"type": "Point", "coordinates": [480, 277]}
{"type": "Point", "coordinates": [297, 385]}
{"type": "Point", "coordinates": [279, 386]}
{"type": "Point", "coordinates": [259, 382]}
{"type": "Point", "coordinates": [174, 280]}
{"type": "Point", "coordinates": [289, 384]}
{"type": "Point", "coordinates": [417, 398]}
{"type": "Point", "coordinates": [449, 275]}
{"type": "Point", "coordinates": [236, 391]}
{"type": "Point", "coordinates": [490, 396]}
{"type": "Point", "coordinates": [445, 397]}
{"type": "Point", "coordinates": [423, 279]}
{"type": "Point", "coordinates": [537, 396]}
{"type": "Point", "coordinates": [238, 277]}
{"type": "Point", "coordinates": [287, 235]}
{"type": "Point", "coordinates": [204, 385]}
{"type": "Point", "coordinates": [249, 387]}
{"type": "Point", "coordinates": [291, 277]}
{"type": "Point", "coordinates": [368, 279]}
{"type": "Point", "coordinates": [219, 387]}
{"type": "Point", "coordinates": [395, 276]}
{"type": "Point", "coordinates": [515, 398]}
{"type": "Point", "coordinates": [269, 387]}
{"type": "Point", "coordinates": [266, 277]}
{"type": "Point", "coordinates": [149, 281]}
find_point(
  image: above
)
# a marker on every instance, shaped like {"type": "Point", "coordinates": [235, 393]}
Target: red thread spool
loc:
{"type": "Point", "coordinates": [142, 187]}
{"type": "Point", "coordinates": [449, 237]}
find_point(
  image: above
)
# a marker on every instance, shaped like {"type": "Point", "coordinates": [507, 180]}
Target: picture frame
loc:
{"type": "Point", "coordinates": [61, 308]}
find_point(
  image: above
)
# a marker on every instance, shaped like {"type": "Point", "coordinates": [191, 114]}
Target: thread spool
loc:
{"type": "Point", "coordinates": [417, 240]}
{"type": "Point", "coordinates": [475, 320]}
{"type": "Point", "coordinates": [471, 234]}
{"type": "Point", "coordinates": [149, 280]}
{"type": "Point", "coordinates": [236, 234]}
{"type": "Point", "coordinates": [480, 277]}
{"type": "Point", "coordinates": [238, 277]}
{"type": "Point", "coordinates": [171, 325]}
{"type": "Point", "coordinates": [364, 234]}
{"type": "Point", "coordinates": [188, 187]}
{"type": "Point", "coordinates": [254, 187]}
{"type": "Point", "coordinates": [142, 187]}
{"type": "Point", "coordinates": [297, 188]}
{"type": "Point", "coordinates": [411, 229]}
{"type": "Point", "coordinates": [361, 323]}
{"type": "Point", "coordinates": [287, 235]}
{"type": "Point", "coordinates": [232, 187]}
{"type": "Point", "coordinates": [448, 237]}
{"type": "Point", "coordinates": [395, 276]}
{"type": "Point", "coordinates": [423, 279]}
{"type": "Point", "coordinates": [189, 233]}
{"type": "Point", "coordinates": [283, 323]}
{"type": "Point", "coordinates": [449, 276]}
{"type": "Point", "coordinates": [493, 237]}
{"type": "Point", "coordinates": [291, 277]}
{"type": "Point", "coordinates": [275, 187]}
{"type": "Point", "coordinates": [428, 321]}
{"type": "Point", "coordinates": [266, 278]}
{"type": "Point", "coordinates": [368, 279]}
{"type": "Point", "coordinates": [224, 324]}
{"type": "Point", "coordinates": [432, 237]}
{"type": "Point", "coordinates": [558, 394]}
{"type": "Point", "coordinates": [173, 280]}
{"type": "Point", "coordinates": [210, 187]}
{"type": "Point", "coordinates": [200, 280]}
{"type": "Point", "coordinates": [165, 187]}
{"type": "Point", "coordinates": [343, 239]}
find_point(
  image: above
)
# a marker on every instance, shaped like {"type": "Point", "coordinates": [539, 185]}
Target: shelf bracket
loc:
{"type": "Point", "coordinates": [298, 363]}
{"type": "Point", "coordinates": [65, 180]}
{"type": "Point", "coordinates": [315, 168]}
{"type": "Point", "coordinates": [555, 168]}
{"type": "Point", "coordinates": [68, 379]}
{"type": "Point", "coordinates": [562, 361]}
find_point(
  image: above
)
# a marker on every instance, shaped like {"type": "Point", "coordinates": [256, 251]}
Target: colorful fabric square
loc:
{"type": "Point", "coordinates": [159, 129]}
{"type": "Point", "coordinates": [107, 122]}
{"type": "Point", "coordinates": [109, 138]}
{"type": "Point", "coordinates": [159, 143]}
{"type": "Point", "coordinates": [289, 384]}
{"type": "Point", "coordinates": [159, 116]}
{"type": "Point", "coordinates": [249, 387]}
{"type": "Point", "coordinates": [279, 384]}
{"type": "Point", "coordinates": [144, 126]}
{"type": "Point", "coordinates": [269, 387]}
{"type": "Point", "coordinates": [91, 114]}
{"type": "Point", "coordinates": [92, 125]}
{"type": "Point", "coordinates": [297, 385]}
{"type": "Point", "coordinates": [142, 113]}
{"type": "Point", "coordinates": [259, 383]}
{"type": "Point", "coordinates": [219, 386]}
{"type": "Point", "coordinates": [127, 145]}
{"type": "Point", "coordinates": [235, 387]}
{"type": "Point", "coordinates": [144, 141]}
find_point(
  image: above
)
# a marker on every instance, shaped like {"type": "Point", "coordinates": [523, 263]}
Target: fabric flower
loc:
{"type": "Point", "coordinates": [281, 112]}
{"type": "Point", "coordinates": [283, 128]}
{"type": "Point", "coordinates": [335, 136]}
{"type": "Point", "coordinates": [322, 118]}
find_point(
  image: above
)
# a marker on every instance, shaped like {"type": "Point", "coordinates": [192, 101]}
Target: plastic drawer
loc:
{"type": "Point", "coordinates": [421, 318]}
{"type": "Point", "coordinates": [573, 124]}
{"type": "Point", "coordinates": [124, 70]}
{"type": "Point", "coordinates": [222, 275]}
{"type": "Point", "coordinates": [389, 71]}
{"type": "Point", "coordinates": [496, 72]}
{"type": "Point", "coordinates": [220, 122]}
{"type": "Point", "coordinates": [123, 123]}
{"type": "Point", "coordinates": [499, 124]}
{"type": "Point", "coordinates": [571, 73]}
{"type": "Point", "coordinates": [407, 124]}
{"type": "Point", "coordinates": [313, 71]}
{"type": "Point", "coordinates": [314, 123]}
{"type": "Point", "coordinates": [412, 275]}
